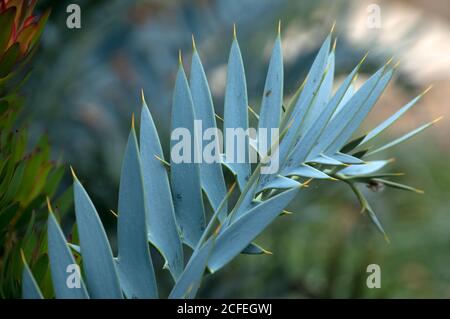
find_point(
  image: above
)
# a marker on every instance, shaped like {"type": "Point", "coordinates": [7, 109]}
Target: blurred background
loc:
{"type": "Point", "coordinates": [86, 84]}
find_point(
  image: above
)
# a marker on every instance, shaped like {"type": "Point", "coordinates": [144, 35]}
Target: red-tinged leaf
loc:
{"type": "Point", "coordinates": [6, 27]}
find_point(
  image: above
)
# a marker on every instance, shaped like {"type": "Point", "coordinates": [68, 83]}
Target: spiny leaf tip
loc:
{"type": "Point", "coordinates": [194, 47]}
{"type": "Point", "coordinates": [143, 97]}
{"type": "Point", "coordinates": [305, 184]}
{"type": "Point", "coordinates": [73, 173]}
{"type": "Point", "coordinates": [427, 89]}
{"type": "Point", "coordinates": [363, 58]}
{"type": "Point", "coordinates": [22, 255]}
{"type": "Point", "coordinates": [219, 117]}
{"type": "Point", "coordinates": [113, 213]}
{"type": "Point", "coordinates": [389, 61]}
{"type": "Point", "coordinates": [49, 206]}
{"type": "Point", "coordinates": [333, 27]}
{"type": "Point", "coordinates": [438, 119]}
{"type": "Point", "coordinates": [180, 58]}
{"type": "Point", "coordinates": [333, 48]}
{"type": "Point", "coordinates": [162, 160]}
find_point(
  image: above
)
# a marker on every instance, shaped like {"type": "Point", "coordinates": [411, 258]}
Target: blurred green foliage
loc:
{"type": "Point", "coordinates": [27, 173]}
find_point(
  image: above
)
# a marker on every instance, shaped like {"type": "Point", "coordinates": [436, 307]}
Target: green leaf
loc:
{"type": "Point", "coordinates": [235, 111]}
{"type": "Point", "coordinates": [365, 178]}
{"type": "Point", "coordinates": [39, 28]}
{"type": "Point", "coordinates": [161, 224]}
{"type": "Point", "coordinates": [185, 176]}
{"type": "Point", "coordinates": [312, 85]}
{"type": "Point", "coordinates": [7, 214]}
{"type": "Point", "coordinates": [270, 113]}
{"type": "Point", "coordinates": [338, 124]}
{"type": "Point", "coordinates": [30, 289]}
{"type": "Point", "coordinates": [280, 182]}
{"type": "Point", "coordinates": [397, 185]}
{"type": "Point", "coordinates": [53, 180]}
{"type": "Point", "coordinates": [388, 122]}
{"type": "Point", "coordinates": [322, 97]}
{"type": "Point", "coordinates": [368, 209]}
{"type": "Point", "coordinates": [211, 174]}
{"type": "Point", "coordinates": [14, 185]}
{"type": "Point", "coordinates": [305, 146]}
{"type": "Point", "coordinates": [244, 204]}
{"type": "Point", "coordinates": [290, 106]}
{"type": "Point", "coordinates": [6, 24]}
{"type": "Point", "coordinates": [8, 60]}
{"type": "Point", "coordinates": [308, 171]}
{"type": "Point", "coordinates": [101, 274]}
{"type": "Point", "coordinates": [358, 112]}
{"type": "Point", "coordinates": [255, 249]}
{"type": "Point", "coordinates": [403, 138]}
{"type": "Point", "coordinates": [60, 257]}
{"type": "Point", "coordinates": [75, 248]}
{"type": "Point", "coordinates": [135, 267]}
{"type": "Point", "coordinates": [364, 169]}
{"type": "Point", "coordinates": [189, 282]}
{"type": "Point", "coordinates": [313, 80]}
{"type": "Point", "coordinates": [350, 146]}
{"type": "Point", "coordinates": [187, 285]}
{"type": "Point", "coordinates": [347, 159]}
{"type": "Point", "coordinates": [348, 94]}
{"type": "Point", "coordinates": [239, 234]}
{"type": "Point", "coordinates": [325, 160]}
